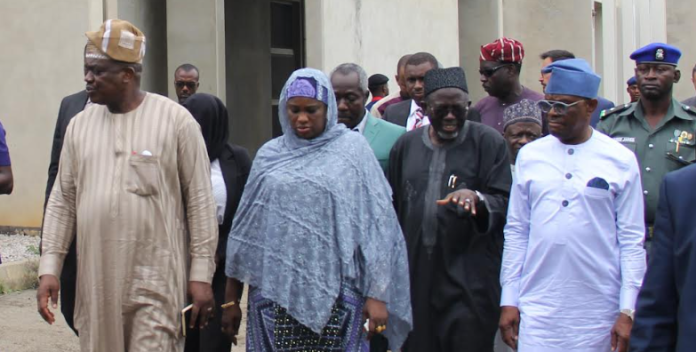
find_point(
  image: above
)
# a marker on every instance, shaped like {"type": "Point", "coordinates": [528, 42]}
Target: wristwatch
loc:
{"type": "Point", "coordinates": [630, 312]}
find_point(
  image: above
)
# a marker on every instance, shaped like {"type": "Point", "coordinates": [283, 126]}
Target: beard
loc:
{"type": "Point", "coordinates": [447, 135]}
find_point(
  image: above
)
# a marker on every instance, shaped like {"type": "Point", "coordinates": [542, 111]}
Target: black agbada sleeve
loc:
{"type": "Point", "coordinates": [497, 179]}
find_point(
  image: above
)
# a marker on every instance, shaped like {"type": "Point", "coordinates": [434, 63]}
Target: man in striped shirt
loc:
{"type": "Point", "coordinates": [134, 181]}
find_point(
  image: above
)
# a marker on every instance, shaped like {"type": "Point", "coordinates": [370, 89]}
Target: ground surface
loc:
{"type": "Point", "coordinates": [23, 330]}
{"type": "Point", "coordinates": [18, 247]}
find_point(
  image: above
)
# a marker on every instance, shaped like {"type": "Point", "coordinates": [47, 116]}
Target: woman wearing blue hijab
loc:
{"type": "Point", "coordinates": [316, 236]}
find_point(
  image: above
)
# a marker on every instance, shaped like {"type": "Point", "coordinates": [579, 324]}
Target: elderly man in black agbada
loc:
{"type": "Point", "coordinates": [451, 183]}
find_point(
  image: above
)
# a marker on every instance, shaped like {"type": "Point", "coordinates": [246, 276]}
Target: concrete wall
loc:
{"type": "Point", "coordinates": [478, 24]}
{"type": "Point", "coordinates": [680, 31]}
{"type": "Point", "coordinates": [196, 35]}
{"type": "Point", "coordinates": [563, 25]}
{"type": "Point", "coordinates": [42, 63]}
{"type": "Point", "coordinates": [375, 34]}
{"type": "Point", "coordinates": [151, 18]}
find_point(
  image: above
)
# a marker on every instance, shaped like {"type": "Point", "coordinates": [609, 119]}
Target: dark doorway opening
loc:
{"type": "Point", "coordinates": [264, 44]}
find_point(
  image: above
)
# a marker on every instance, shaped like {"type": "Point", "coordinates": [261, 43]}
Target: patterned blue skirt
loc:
{"type": "Point", "coordinates": [271, 329]}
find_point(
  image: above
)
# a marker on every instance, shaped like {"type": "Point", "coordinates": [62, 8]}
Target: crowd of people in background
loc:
{"type": "Point", "coordinates": [412, 220]}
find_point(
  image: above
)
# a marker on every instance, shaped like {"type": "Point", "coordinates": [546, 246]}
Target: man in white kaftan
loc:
{"type": "Point", "coordinates": [573, 261]}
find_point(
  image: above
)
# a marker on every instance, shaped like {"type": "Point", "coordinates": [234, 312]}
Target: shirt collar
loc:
{"type": "Point", "coordinates": [361, 126]}
{"type": "Point", "coordinates": [414, 107]}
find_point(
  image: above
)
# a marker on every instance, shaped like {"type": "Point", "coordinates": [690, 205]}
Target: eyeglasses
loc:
{"type": "Point", "coordinates": [560, 108]}
{"type": "Point", "coordinates": [488, 72]}
{"type": "Point", "coordinates": [189, 85]}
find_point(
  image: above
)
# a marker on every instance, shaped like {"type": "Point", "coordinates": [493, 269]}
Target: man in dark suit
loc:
{"type": "Point", "coordinates": [69, 107]}
{"type": "Point", "coordinates": [664, 319]}
{"type": "Point", "coordinates": [410, 113]}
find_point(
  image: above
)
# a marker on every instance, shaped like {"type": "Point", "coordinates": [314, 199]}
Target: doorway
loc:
{"type": "Point", "coordinates": [264, 44]}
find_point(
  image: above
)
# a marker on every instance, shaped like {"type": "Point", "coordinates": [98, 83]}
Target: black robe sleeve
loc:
{"type": "Point", "coordinates": [55, 150]}
{"type": "Point", "coordinates": [236, 165]}
{"type": "Point", "coordinates": [394, 170]}
{"type": "Point", "coordinates": [497, 180]}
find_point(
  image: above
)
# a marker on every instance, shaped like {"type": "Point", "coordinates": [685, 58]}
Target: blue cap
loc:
{"type": "Point", "coordinates": [572, 77]}
{"type": "Point", "coordinates": [632, 81]}
{"type": "Point", "coordinates": [657, 53]}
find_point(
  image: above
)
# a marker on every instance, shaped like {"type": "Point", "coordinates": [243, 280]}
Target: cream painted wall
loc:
{"type": "Point", "coordinates": [42, 63]}
{"type": "Point", "coordinates": [681, 26]}
{"type": "Point", "coordinates": [562, 25]}
{"type": "Point", "coordinates": [375, 34]}
{"type": "Point", "coordinates": [196, 35]}
{"type": "Point", "coordinates": [478, 24]}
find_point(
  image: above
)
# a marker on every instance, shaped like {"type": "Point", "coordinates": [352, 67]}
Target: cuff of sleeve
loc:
{"type": "Point", "coordinates": [50, 264]}
{"type": "Point", "coordinates": [482, 199]}
{"type": "Point", "coordinates": [628, 299]}
{"type": "Point", "coordinates": [202, 269]}
{"type": "Point", "coordinates": [485, 219]}
{"type": "Point", "coordinates": [511, 295]}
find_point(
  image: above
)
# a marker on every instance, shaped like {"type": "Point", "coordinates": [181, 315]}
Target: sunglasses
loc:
{"type": "Point", "coordinates": [456, 110]}
{"type": "Point", "coordinates": [189, 85]}
{"type": "Point", "coordinates": [559, 107]}
{"type": "Point", "coordinates": [488, 72]}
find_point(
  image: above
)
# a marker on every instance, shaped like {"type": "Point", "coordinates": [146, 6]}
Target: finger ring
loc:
{"type": "Point", "coordinates": [210, 309]}
{"type": "Point", "coordinates": [381, 328]}
{"type": "Point", "coordinates": [467, 200]}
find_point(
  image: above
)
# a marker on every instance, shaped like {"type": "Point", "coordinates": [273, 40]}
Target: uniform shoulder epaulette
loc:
{"type": "Point", "coordinates": [688, 108]}
{"type": "Point", "coordinates": [617, 109]}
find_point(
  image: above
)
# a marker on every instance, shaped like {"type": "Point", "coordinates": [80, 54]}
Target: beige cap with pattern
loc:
{"type": "Point", "coordinates": [119, 40]}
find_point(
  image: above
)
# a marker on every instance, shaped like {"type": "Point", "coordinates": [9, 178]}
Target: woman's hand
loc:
{"type": "Point", "coordinates": [231, 320]}
{"type": "Point", "coordinates": [232, 315]}
{"type": "Point", "coordinates": [376, 312]}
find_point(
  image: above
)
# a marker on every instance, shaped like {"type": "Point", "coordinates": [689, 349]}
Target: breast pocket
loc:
{"type": "Point", "coordinates": [143, 175]}
{"type": "Point", "coordinates": [597, 193]}
{"type": "Point", "coordinates": [684, 156]}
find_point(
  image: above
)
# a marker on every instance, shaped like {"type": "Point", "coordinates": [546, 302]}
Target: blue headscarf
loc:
{"type": "Point", "coordinates": [318, 213]}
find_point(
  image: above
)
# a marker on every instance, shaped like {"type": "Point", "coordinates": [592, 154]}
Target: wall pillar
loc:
{"type": "Point", "coordinates": [196, 35]}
